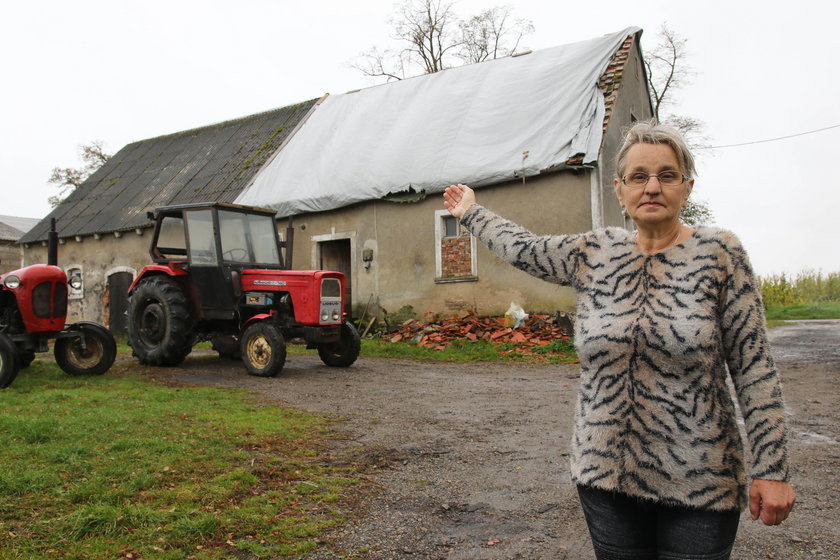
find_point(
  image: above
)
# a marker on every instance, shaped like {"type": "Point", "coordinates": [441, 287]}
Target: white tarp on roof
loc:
{"type": "Point", "coordinates": [469, 124]}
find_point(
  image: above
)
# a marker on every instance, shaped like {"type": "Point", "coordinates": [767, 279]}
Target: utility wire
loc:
{"type": "Point", "coordinates": [768, 140]}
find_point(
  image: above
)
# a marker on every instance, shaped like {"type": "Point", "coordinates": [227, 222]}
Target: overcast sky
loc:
{"type": "Point", "coordinates": [73, 72]}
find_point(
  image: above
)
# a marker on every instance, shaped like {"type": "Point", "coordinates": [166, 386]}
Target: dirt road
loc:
{"type": "Point", "coordinates": [475, 456]}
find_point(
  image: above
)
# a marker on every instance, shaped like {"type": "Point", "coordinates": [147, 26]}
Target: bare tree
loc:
{"type": "Point", "coordinates": [431, 36]}
{"type": "Point", "coordinates": [667, 72]}
{"type": "Point", "coordinates": [69, 178]}
{"type": "Point", "coordinates": [666, 68]}
{"type": "Point", "coordinates": [491, 34]}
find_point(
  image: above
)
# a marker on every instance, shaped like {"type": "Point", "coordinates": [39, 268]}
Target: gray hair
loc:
{"type": "Point", "coordinates": [651, 132]}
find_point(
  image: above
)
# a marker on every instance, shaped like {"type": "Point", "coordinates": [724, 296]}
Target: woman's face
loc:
{"type": "Point", "coordinates": [653, 204]}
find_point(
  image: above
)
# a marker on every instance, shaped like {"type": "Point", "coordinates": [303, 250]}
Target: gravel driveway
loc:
{"type": "Point", "coordinates": [474, 457]}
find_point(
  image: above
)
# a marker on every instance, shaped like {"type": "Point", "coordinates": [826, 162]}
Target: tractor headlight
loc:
{"type": "Point", "coordinates": [11, 282]}
{"type": "Point", "coordinates": [75, 282]}
{"type": "Point", "coordinates": [325, 316]}
{"type": "Point", "coordinates": [335, 316]}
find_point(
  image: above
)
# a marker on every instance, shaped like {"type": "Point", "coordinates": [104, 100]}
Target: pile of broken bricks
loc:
{"type": "Point", "coordinates": [534, 331]}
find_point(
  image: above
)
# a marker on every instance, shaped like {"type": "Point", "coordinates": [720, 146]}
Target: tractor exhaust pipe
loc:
{"type": "Point", "coordinates": [52, 244]}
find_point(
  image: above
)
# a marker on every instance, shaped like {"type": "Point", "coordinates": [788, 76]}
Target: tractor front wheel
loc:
{"type": "Point", "coordinates": [159, 325]}
{"type": "Point", "coordinates": [91, 353]}
{"type": "Point", "coordinates": [263, 349]}
{"type": "Point", "coordinates": [9, 366]}
{"type": "Point", "coordinates": [344, 352]}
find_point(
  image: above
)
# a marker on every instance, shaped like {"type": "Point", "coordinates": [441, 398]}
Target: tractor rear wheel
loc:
{"type": "Point", "coordinates": [344, 352]}
{"type": "Point", "coordinates": [159, 325]}
{"type": "Point", "coordinates": [263, 349]}
{"type": "Point", "coordinates": [92, 353]}
{"type": "Point", "coordinates": [8, 361]}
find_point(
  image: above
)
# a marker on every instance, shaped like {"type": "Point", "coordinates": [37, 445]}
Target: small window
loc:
{"type": "Point", "coordinates": [451, 226]}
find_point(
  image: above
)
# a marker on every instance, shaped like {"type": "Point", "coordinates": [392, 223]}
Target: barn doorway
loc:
{"type": "Point", "coordinates": [118, 284]}
{"type": "Point", "coordinates": [335, 255]}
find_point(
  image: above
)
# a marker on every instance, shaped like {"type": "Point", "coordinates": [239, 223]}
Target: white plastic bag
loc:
{"type": "Point", "coordinates": [515, 315]}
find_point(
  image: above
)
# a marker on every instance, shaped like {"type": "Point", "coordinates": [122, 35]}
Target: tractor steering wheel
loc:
{"type": "Point", "coordinates": [232, 254]}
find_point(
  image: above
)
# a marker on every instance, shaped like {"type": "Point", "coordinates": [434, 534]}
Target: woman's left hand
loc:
{"type": "Point", "coordinates": [771, 500]}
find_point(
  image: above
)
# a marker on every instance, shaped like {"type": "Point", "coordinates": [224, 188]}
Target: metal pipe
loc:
{"type": "Point", "coordinates": [52, 244]}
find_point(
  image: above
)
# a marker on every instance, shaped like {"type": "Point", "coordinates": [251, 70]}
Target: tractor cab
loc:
{"type": "Point", "coordinates": [215, 242]}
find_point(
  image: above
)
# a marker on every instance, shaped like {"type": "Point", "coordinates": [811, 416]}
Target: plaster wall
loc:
{"type": "Point", "coordinates": [10, 256]}
{"type": "Point", "coordinates": [97, 259]}
{"type": "Point", "coordinates": [402, 237]}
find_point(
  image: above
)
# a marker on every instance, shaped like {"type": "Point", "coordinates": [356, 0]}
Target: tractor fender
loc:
{"type": "Point", "coordinates": [255, 318]}
{"type": "Point", "coordinates": [172, 269]}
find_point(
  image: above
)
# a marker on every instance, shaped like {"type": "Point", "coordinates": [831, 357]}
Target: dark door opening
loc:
{"type": "Point", "coordinates": [335, 255]}
{"type": "Point", "coordinates": [118, 284]}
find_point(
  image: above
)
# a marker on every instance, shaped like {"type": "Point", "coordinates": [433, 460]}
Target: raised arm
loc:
{"type": "Point", "coordinates": [550, 257]}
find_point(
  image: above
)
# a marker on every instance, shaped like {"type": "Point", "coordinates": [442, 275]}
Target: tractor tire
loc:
{"type": "Point", "coordinates": [159, 324]}
{"type": "Point", "coordinates": [93, 353]}
{"type": "Point", "coordinates": [263, 349]}
{"type": "Point", "coordinates": [227, 345]}
{"type": "Point", "coordinates": [9, 366]}
{"type": "Point", "coordinates": [344, 352]}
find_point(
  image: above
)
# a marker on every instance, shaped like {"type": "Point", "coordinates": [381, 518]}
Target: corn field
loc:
{"type": "Point", "coordinates": [806, 287]}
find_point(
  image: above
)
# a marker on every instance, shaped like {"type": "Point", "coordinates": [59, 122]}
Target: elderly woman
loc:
{"type": "Point", "coordinates": [664, 314]}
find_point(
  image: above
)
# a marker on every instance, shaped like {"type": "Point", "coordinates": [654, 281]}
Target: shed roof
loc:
{"type": "Point", "coordinates": [480, 124]}
{"type": "Point", "coordinates": [211, 163]}
{"type": "Point", "coordinates": [12, 228]}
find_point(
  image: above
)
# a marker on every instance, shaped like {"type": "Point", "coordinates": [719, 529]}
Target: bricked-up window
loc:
{"type": "Point", "coordinates": [454, 251]}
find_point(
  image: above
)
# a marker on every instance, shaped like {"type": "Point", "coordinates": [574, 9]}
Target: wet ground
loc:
{"type": "Point", "coordinates": [473, 458]}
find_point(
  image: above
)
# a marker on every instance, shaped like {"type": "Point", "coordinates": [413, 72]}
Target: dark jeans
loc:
{"type": "Point", "coordinates": [624, 528]}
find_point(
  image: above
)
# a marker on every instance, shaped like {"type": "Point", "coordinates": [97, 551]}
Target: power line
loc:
{"type": "Point", "coordinates": [769, 139]}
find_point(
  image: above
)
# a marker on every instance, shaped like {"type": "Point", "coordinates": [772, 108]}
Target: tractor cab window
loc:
{"type": "Point", "coordinates": [248, 238]}
{"type": "Point", "coordinates": [202, 240]}
{"type": "Point", "coordinates": [171, 243]}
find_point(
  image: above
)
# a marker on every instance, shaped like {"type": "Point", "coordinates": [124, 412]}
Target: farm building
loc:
{"type": "Point", "coordinates": [360, 175]}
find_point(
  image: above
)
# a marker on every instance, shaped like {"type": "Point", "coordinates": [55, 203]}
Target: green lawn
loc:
{"type": "Point", "coordinates": [820, 310]}
{"type": "Point", "coordinates": [116, 465]}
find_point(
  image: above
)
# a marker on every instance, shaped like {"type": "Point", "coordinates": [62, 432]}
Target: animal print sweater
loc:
{"type": "Point", "coordinates": [656, 335]}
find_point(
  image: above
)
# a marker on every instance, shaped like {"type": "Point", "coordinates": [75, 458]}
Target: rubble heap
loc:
{"type": "Point", "coordinates": [536, 330]}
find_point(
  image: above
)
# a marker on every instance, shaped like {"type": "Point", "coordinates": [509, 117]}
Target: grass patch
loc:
{"type": "Point", "coordinates": [818, 310]}
{"type": "Point", "coordinates": [465, 351]}
{"type": "Point", "coordinates": [106, 466]}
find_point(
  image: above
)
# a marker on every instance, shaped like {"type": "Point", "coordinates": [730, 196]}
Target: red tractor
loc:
{"type": "Point", "coordinates": [33, 311]}
{"type": "Point", "coordinates": [222, 274]}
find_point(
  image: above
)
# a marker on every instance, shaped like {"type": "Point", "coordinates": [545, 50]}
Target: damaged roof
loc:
{"type": "Point", "coordinates": [481, 124]}
{"type": "Point", "coordinates": [211, 163]}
